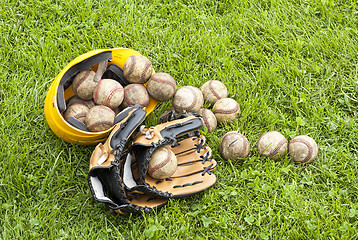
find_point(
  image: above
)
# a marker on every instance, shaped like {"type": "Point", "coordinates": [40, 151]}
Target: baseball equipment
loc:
{"type": "Point", "coordinates": [83, 84]}
{"type": "Point", "coordinates": [226, 110]}
{"type": "Point", "coordinates": [121, 180]}
{"type": "Point", "coordinates": [188, 99]}
{"type": "Point", "coordinates": [214, 90]}
{"type": "Point", "coordinates": [209, 119]}
{"type": "Point", "coordinates": [234, 146]}
{"type": "Point", "coordinates": [162, 164]}
{"type": "Point", "coordinates": [61, 90]}
{"type": "Point", "coordinates": [135, 94]}
{"type": "Point", "coordinates": [109, 93]}
{"type": "Point", "coordinates": [99, 118]}
{"type": "Point", "coordinates": [161, 86]}
{"type": "Point", "coordinates": [137, 69]}
{"type": "Point", "coordinates": [303, 149]}
{"type": "Point", "coordinates": [273, 145]}
{"type": "Point", "coordinates": [77, 111]}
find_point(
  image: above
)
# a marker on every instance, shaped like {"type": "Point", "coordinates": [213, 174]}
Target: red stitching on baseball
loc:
{"type": "Point", "coordinates": [74, 88]}
{"type": "Point", "coordinates": [95, 95]}
{"type": "Point", "coordinates": [235, 109]}
{"type": "Point", "coordinates": [277, 148]}
{"type": "Point", "coordinates": [194, 100]}
{"type": "Point", "coordinates": [162, 164]}
{"type": "Point", "coordinates": [80, 115]}
{"type": "Point", "coordinates": [105, 108]}
{"type": "Point", "coordinates": [131, 67]}
{"type": "Point", "coordinates": [213, 90]}
{"type": "Point", "coordinates": [205, 118]}
{"type": "Point", "coordinates": [111, 93]}
{"type": "Point", "coordinates": [142, 77]}
{"type": "Point", "coordinates": [159, 80]}
{"type": "Point", "coordinates": [129, 102]}
{"type": "Point", "coordinates": [310, 150]}
{"type": "Point", "coordinates": [91, 127]}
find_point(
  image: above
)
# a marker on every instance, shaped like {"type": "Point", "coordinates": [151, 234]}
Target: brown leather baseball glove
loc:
{"type": "Point", "coordinates": [119, 178]}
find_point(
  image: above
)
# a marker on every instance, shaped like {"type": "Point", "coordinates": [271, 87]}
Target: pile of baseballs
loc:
{"type": "Point", "coordinates": [96, 102]}
{"type": "Point", "coordinates": [214, 92]}
{"type": "Point", "coordinates": [272, 144]}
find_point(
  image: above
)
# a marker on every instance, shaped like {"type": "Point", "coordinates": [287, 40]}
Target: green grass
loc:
{"type": "Point", "coordinates": [291, 65]}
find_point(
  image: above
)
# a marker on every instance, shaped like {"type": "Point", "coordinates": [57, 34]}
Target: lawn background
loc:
{"type": "Point", "coordinates": [291, 65]}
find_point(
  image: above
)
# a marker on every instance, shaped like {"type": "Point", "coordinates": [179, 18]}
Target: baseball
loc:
{"type": "Point", "coordinates": [272, 144]}
{"type": "Point", "coordinates": [108, 92]}
{"type": "Point", "coordinates": [83, 84]}
{"type": "Point", "coordinates": [303, 149]}
{"type": "Point", "coordinates": [214, 90]}
{"type": "Point", "coordinates": [99, 118]}
{"type": "Point", "coordinates": [226, 110]}
{"type": "Point", "coordinates": [188, 99]}
{"type": "Point", "coordinates": [135, 94]}
{"type": "Point", "coordinates": [209, 119]}
{"type": "Point", "coordinates": [234, 146]}
{"type": "Point", "coordinates": [75, 99]}
{"type": "Point", "coordinates": [137, 69]}
{"type": "Point", "coordinates": [76, 110]}
{"type": "Point", "coordinates": [162, 164]}
{"type": "Point", "coordinates": [161, 86]}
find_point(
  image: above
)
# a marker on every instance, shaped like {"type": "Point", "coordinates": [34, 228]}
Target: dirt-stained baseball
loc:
{"type": "Point", "coordinates": [161, 86]}
{"type": "Point", "coordinates": [226, 110]}
{"type": "Point", "coordinates": [188, 99]}
{"type": "Point", "coordinates": [137, 69]}
{"type": "Point", "coordinates": [99, 118]}
{"type": "Point", "coordinates": [162, 164]}
{"type": "Point", "coordinates": [303, 149]}
{"type": "Point", "coordinates": [234, 146]}
{"type": "Point", "coordinates": [108, 92]}
{"type": "Point", "coordinates": [135, 94]}
{"type": "Point", "coordinates": [214, 90]}
{"type": "Point", "coordinates": [76, 110]}
{"type": "Point", "coordinates": [75, 99]}
{"type": "Point", "coordinates": [209, 119]}
{"type": "Point", "coordinates": [272, 144]}
{"type": "Point", "coordinates": [83, 84]}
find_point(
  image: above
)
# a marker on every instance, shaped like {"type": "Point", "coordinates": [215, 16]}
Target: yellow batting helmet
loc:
{"type": "Point", "coordinates": [61, 90]}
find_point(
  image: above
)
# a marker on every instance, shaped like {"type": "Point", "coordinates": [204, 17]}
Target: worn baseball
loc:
{"type": "Point", "coordinates": [108, 92]}
{"type": "Point", "coordinates": [137, 69]}
{"type": "Point", "coordinates": [188, 99]}
{"type": "Point", "coordinates": [209, 119]}
{"type": "Point", "coordinates": [76, 110]}
{"type": "Point", "coordinates": [135, 94]}
{"type": "Point", "coordinates": [162, 164]}
{"type": "Point", "coordinates": [273, 145]}
{"type": "Point", "coordinates": [226, 110]}
{"type": "Point", "coordinates": [214, 90]}
{"type": "Point", "coordinates": [99, 118]}
{"type": "Point", "coordinates": [83, 84]}
{"type": "Point", "coordinates": [234, 146]}
{"type": "Point", "coordinates": [161, 86]}
{"type": "Point", "coordinates": [75, 99]}
{"type": "Point", "coordinates": [303, 149]}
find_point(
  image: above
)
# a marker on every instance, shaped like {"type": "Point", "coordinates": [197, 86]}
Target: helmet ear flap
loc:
{"type": "Point", "coordinates": [116, 72]}
{"type": "Point", "coordinates": [67, 78]}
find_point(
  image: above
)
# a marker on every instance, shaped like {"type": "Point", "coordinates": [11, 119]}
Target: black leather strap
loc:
{"type": "Point", "coordinates": [67, 78]}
